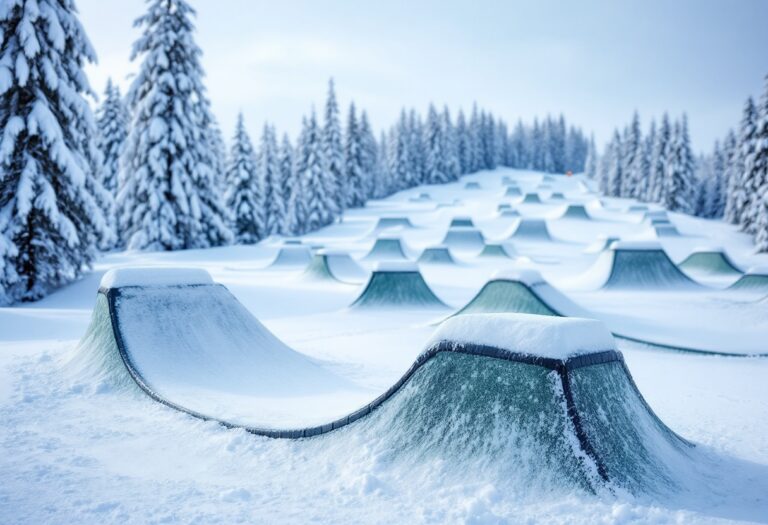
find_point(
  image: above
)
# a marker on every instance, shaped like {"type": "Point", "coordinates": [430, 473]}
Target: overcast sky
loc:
{"type": "Point", "coordinates": [594, 61]}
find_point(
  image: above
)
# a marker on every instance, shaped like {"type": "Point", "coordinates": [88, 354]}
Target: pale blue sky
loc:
{"type": "Point", "coordinates": [595, 61]}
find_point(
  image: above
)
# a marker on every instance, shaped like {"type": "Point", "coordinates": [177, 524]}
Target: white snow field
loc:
{"type": "Point", "coordinates": [516, 410]}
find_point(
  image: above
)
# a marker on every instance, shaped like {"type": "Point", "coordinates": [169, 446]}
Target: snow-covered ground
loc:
{"type": "Point", "coordinates": [80, 452]}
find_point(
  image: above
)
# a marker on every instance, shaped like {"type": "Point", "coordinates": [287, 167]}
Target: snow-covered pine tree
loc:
{"type": "Point", "coordinates": [370, 155]}
{"type": "Point", "coordinates": [679, 188]}
{"type": "Point", "coordinates": [488, 140]}
{"type": "Point", "coordinates": [170, 198]}
{"type": "Point", "coordinates": [476, 141]}
{"type": "Point", "coordinates": [502, 144]}
{"type": "Point", "coordinates": [590, 165]}
{"type": "Point", "coordinates": [353, 161]}
{"type": "Point", "coordinates": [434, 143]}
{"type": "Point", "coordinates": [731, 176]}
{"type": "Point", "coordinates": [292, 191]}
{"type": "Point", "coordinates": [716, 188]}
{"type": "Point", "coordinates": [615, 174]}
{"type": "Point", "coordinates": [746, 145]}
{"type": "Point", "coordinates": [450, 147]}
{"type": "Point", "coordinates": [702, 178]}
{"type": "Point", "coordinates": [112, 123]}
{"type": "Point", "coordinates": [275, 201]}
{"type": "Point", "coordinates": [462, 143]}
{"type": "Point", "coordinates": [632, 159]}
{"type": "Point", "coordinates": [399, 155]}
{"type": "Point", "coordinates": [754, 170]}
{"type": "Point", "coordinates": [520, 153]}
{"type": "Point", "coordinates": [317, 180]}
{"type": "Point", "coordinates": [759, 166]}
{"type": "Point", "coordinates": [245, 188]}
{"type": "Point", "coordinates": [219, 154]}
{"type": "Point", "coordinates": [659, 159]}
{"type": "Point", "coordinates": [297, 202]}
{"type": "Point", "coordinates": [417, 158]}
{"type": "Point", "coordinates": [51, 215]}
{"type": "Point", "coordinates": [644, 189]}
{"type": "Point", "coordinates": [382, 177]}
{"type": "Point", "coordinates": [333, 152]}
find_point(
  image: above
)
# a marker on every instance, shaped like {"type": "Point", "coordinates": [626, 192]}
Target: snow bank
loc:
{"type": "Point", "coordinates": [396, 266]}
{"type": "Point", "coordinates": [121, 277]}
{"type": "Point", "coordinates": [543, 336]}
{"type": "Point", "coordinates": [636, 245]}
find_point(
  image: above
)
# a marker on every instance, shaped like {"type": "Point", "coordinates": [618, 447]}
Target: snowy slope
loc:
{"type": "Point", "coordinates": [76, 451]}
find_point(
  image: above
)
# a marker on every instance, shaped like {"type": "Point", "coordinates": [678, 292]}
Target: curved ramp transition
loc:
{"type": "Point", "coordinates": [397, 286]}
{"type": "Point", "coordinates": [710, 262]}
{"type": "Point", "coordinates": [531, 230]}
{"type": "Point", "coordinates": [386, 249]}
{"type": "Point", "coordinates": [292, 255]}
{"type": "Point", "coordinates": [639, 265]}
{"type": "Point", "coordinates": [547, 400]}
{"type": "Point", "coordinates": [335, 266]}
{"type": "Point", "coordinates": [437, 255]}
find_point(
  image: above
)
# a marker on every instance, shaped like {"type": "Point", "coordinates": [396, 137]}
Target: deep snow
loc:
{"type": "Point", "coordinates": [75, 451]}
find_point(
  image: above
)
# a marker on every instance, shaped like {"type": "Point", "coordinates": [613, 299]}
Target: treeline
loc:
{"type": "Point", "coordinates": [152, 171]}
{"type": "Point", "coordinates": [730, 183]}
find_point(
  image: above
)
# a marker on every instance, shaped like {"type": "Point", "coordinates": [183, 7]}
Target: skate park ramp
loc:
{"type": "Point", "coordinates": [602, 244]}
{"type": "Point", "coordinates": [557, 196]}
{"type": "Point", "coordinates": [187, 342]}
{"type": "Point", "coordinates": [636, 265]}
{"type": "Point", "coordinates": [472, 186]}
{"type": "Point", "coordinates": [576, 211]}
{"type": "Point", "coordinates": [509, 213]}
{"type": "Point", "coordinates": [387, 249]}
{"type": "Point", "coordinates": [513, 191]}
{"type": "Point", "coordinates": [397, 285]}
{"type": "Point", "coordinates": [464, 239]}
{"type": "Point", "coordinates": [498, 251]}
{"type": "Point", "coordinates": [531, 230]}
{"type": "Point", "coordinates": [291, 256]}
{"type": "Point", "coordinates": [531, 198]}
{"type": "Point", "coordinates": [437, 255]}
{"type": "Point", "coordinates": [385, 223]}
{"type": "Point", "coordinates": [462, 222]}
{"type": "Point", "coordinates": [335, 266]}
{"type": "Point", "coordinates": [755, 281]}
{"type": "Point", "coordinates": [521, 291]}
{"type": "Point", "coordinates": [556, 389]}
{"type": "Point", "coordinates": [712, 262]}
{"type": "Point", "coordinates": [666, 230]}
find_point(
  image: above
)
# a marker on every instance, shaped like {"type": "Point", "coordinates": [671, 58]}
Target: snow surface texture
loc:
{"type": "Point", "coordinates": [82, 451]}
{"type": "Point", "coordinates": [121, 277]}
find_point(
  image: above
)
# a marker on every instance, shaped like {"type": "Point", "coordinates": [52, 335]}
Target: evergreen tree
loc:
{"type": "Point", "coordinates": [417, 160]}
{"type": "Point", "coordinates": [632, 159]}
{"type": "Point", "coordinates": [112, 123]}
{"type": "Point", "coordinates": [292, 190]}
{"type": "Point", "coordinates": [370, 155]}
{"type": "Point", "coordinates": [398, 155]}
{"type": "Point", "coordinates": [615, 172]}
{"type": "Point", "coordinates": [732, 177]}
{"type": "Point", "coordinates": [354, 158]}
{"type": "Point", "coordinates": [333, 152]}
{"type": "Point", "coordinates": [758, 163]}
{"type": "Point", "coordinates": [716, 187]}
{"type": "Point", "coordinates": [52, 216]}
{"type": "Point", "coordinates": [276, 176]}
{"type": "Point", "coordinates": [435, 143]}
{"type": "Point", "coordinates": [659, 158]}
{"type": "Point", "coordinates": [741, 183]}
{"type": "Point", "coordinates": [590, 166]}
{"type": "Point", "coordinates": [463, 145]}
{"type": "Point", "coordinates": [318, 182]}
{"type": "Point", "coordinates": [679, 189]}
{"type": "Point", "coordinates": [382, 177]}
{"type": "Point", "coordinates": [475, 141]}
{"type": "Point", "coordinates": [519, 146]}
{"type": "Point", "coordinates": [450, 147]}
{"type": "Point", "coordinates": [754, 172]}
{"type": "Point", "coordinates": [245, 188]}
{"type": "Point", "coordinates": [169, 198]}
{"type": "Point", "coordinates": [219, 154]}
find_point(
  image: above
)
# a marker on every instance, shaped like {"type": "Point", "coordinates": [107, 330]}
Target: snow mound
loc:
{"type": "Point", "coordinates": [536, 335]}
